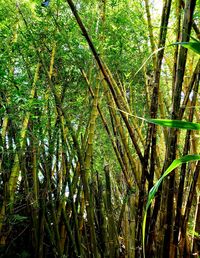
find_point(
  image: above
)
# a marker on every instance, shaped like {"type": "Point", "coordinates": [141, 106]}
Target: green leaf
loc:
{"type": "Point", "coordinates": [194, 45]}
{"type": "Point", "coordinates": [154, 189]}
{"type": "Point", "coordinates": [175, 124]}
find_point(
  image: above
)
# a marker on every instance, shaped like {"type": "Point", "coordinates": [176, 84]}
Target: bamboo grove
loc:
{"type": "Point", "coordinates": [77, 159]}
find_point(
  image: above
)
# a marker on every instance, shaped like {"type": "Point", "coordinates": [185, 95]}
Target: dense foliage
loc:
{"type": "Point", "coordinates": [77, 157]}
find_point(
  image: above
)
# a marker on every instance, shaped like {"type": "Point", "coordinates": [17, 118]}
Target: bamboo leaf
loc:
{"type": "Point", "coordinates": [168, 122]}
{"type": "Point", "coordinates": [154, 189]}
{"type": "Point", "coordinates": [175, 124]}
{"type": "Point", "coordinates": [194, 45]}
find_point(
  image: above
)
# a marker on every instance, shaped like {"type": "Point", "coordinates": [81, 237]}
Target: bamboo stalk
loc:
{"type": "Point", "coordinates": [113, 86]}
{"type": "Point", "coordinates": [16, 167]}
{"type": "Point", "coordinates": [113, 239]}
{"type": "Point", "coordinates": [171, 150]}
